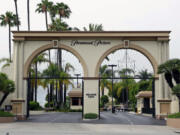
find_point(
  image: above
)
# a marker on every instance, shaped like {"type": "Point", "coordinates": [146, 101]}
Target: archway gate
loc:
{"type": "Point", "coordinates": [90, 48]}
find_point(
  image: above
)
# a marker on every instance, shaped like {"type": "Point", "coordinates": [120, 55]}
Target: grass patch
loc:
{"type": "Point", "coordinates": [90, 116]}
{"type": "Point", "coordinates": [6, 114]}
{"type": "Point", "coordinates": [175, 115]}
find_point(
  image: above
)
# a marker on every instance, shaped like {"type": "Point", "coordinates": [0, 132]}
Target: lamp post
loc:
{"type": "Point", "coordinates": [77, 75]}
{"type": "Point", "coordinates": [112, 66]}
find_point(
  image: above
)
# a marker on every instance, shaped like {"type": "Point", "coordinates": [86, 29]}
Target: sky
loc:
{"type": "Point", "coordinates": [115, 15]}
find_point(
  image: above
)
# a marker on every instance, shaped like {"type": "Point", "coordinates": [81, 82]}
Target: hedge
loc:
{"type": "Point", "coordinates": [90, 116]}
{"type": "Point", "coordinates": [6, 114]}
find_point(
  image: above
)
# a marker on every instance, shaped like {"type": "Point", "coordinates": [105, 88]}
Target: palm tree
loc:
{"type": "Point", "coordinates": [58, 25]}
{"type": "Point", "coordinates": [51, 71]}
{"type": "Point", "coordinates": [52, 11]}
{"type": "Point", "coordinates": [38, 60]}
{"type": "Point", "coordinates": [144, 74]}
{"type": "Point", "coordinates": [68, 67]}
{"type": "Point", "coordinates": [28, 15]}
{"type": "Point", "coordinates": [6, 87]}
{"type": "Point", "coordinates": [43, 8]}
{"type": "Point", "coordinates": [17, 18]}
{"type": "Point", "coordinates": [94, 27]}
{"type": "Point", "coordinates": [6, 62]}
{"type": "Point", "coordinates": [45, 84]}
{"type": "Point", "coordinates": [104, 72]}
{"type": "Point", "coordinates": [171, 70]}
{"type": "Point", "coordinates": [9, 19]}
{"type": "Point", "coordinates": [63, 10]}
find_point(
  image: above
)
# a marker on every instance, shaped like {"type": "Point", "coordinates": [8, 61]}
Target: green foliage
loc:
{"type": "Point", "coordinates": [145, 85]}
{"type": "Point", "coordinates": [6, 87]}
{"type": "Point", "coordinates": [104, 99]}
{"type": "Point", "coordinates": [75, 110]}
{"type": "Point", "coordinates": [9, 19]}
{"type": "Point", "coordinates": [176, 115]}
{"type": "Point", "coordinates": [176, 90]}
{"type": "Point", "coordinates": [6, 114]}
{"type": "Point", "coordinates": [51, 104]}
{"type": "Point", "coordinates": [34, 106]}
{"type": "Point", "coordinates": [90, 116]}
{"type": "Point", "coordinates": [94, 27]}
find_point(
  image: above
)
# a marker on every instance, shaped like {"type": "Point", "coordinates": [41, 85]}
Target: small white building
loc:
{"type": "Point", "coordinates": [75, 98]}
{"type": "Point", "coordinates": [144, 102]}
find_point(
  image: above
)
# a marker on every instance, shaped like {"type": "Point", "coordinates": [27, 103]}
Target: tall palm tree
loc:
{"type": "Point", "coordinates": [51, 71]}
{"type": "Point", "coordinates": [9, 19]}
{"type": "Point", "coordinates": [104, 72]}
{"type": "Point", "coordinates": [58, 25]}
{"type": "Point", "coordinates": [28, 15]}
{"type": "Point", "coordinates": [38, 60]}
{"type": "Point", "coordinates": [94, 27]}
{"type": "Point", "coordinates": [63, 10]}
{"type": "Point", "coordinates": [17, 17]}
{"type": "Point", "coordinates": [52, 11]}
{"type": "Point", "coordinates": [6, 62]}
{"type": "Point", "coordinates": [45, 84]}
{"type": "Point", "coordinates": [68, 67]}
{"type": "Point", "coordinates": [43, 8]}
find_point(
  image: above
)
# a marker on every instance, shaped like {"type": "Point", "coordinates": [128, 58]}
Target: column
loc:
{"type": "Point", "coordinates": [91, 96]}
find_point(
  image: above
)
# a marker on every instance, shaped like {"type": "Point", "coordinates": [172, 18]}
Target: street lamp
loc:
{"type": "Point", "coordinates": [112, 66]}
{"type": "Point", "coordinates": [77, 75]}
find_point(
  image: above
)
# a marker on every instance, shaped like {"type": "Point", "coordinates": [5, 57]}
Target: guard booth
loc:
{"type": "Point", "coordinates": [76, 100]}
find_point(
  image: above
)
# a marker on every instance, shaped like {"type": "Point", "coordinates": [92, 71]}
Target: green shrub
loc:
{"type": "Point", "coordinates": [6, 114]}
{"type": "Point", "coordinates": [75, 110]}
{"type": "Point", "coordinates": [34, 106]}
{"type": "Point", "coordinates": [104, 99]}
{"type": "Point", "coordinates": [175, 115]}
{"type": "Point", "coordinates": [90, 116]}
{"type": "Point", "coordinates": [51, 104]}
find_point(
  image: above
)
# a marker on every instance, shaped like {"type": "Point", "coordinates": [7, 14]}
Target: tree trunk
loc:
{"type": "Point", "coordinates": [103, 92]}
{"type": "Point", "coordinates": [46, 20]}
{"type": "Point", "coordinates": [17, 18]}
{"type": "Point", "coordinates": [65, 95]}
{"type": "Point", "coordinates": [48, 96]}
{"type": "Point", "coordinates": [28, 15]}
{"type": "Point", "coordinates": [36, 82]}
{"type": "Point", "coordinates": [9, 42]}
{"type": "Point", "coordinates": [3, 98]}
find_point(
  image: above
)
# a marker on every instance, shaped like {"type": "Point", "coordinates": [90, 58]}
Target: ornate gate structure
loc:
{"type": "Point", "coordinates": [90, 48]}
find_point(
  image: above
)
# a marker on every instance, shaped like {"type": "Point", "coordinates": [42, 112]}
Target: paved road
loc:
{"type": "Point", "coordinates": [71, 124]}
{"type": "Point", "coordinates": [124, 118]}
{"type": "Point", "coordinates": [31, 128]}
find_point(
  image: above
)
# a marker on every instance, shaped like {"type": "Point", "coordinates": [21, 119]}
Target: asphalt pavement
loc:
{"type": "Point", "coordinates": [124, 118]}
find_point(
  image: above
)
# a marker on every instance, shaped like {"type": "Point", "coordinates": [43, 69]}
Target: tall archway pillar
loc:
{"type": "Point", "coordinates": [19, 96]}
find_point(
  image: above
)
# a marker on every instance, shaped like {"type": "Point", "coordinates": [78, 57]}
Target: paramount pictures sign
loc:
{"type": "Point", "coordinates": [93, 43]}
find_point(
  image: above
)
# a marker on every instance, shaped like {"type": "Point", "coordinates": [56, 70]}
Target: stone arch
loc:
{"type": "Point", "coordinates": [134, 47]}
{"type": "Point", "coordinates": [50, 46]}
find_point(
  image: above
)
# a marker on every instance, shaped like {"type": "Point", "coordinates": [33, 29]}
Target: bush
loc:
{"type": "Point", "coordinates": [34, 106]}
{"type": "Point", "coordinates": [90, 116]}
{"type": "Point", "coordinates": [51, 104]}
{"type": "Point", "coordinates": [75, 110]}
{"type": "Point", "coordinates": [6, 114]}
{"type": "Point", "coordinates": [104, 99]}
{"type": "Point", "coordinates": [175, 115]}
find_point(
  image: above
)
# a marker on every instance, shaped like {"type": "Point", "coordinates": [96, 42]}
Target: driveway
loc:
{"type": "Point", "coordinates": [124, 118]}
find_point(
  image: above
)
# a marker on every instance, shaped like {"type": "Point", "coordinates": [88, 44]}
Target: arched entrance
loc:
{"type": "Point", "coordinates": [134, 47]}
{"type": "Point", "coordinates": [50, 46]}
{"type": "Point", "coordinates": [91, 48]}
